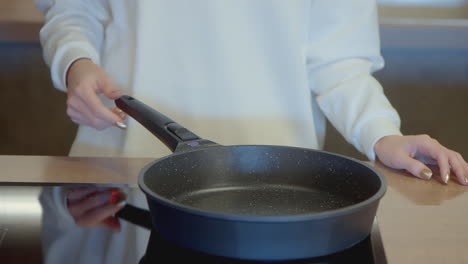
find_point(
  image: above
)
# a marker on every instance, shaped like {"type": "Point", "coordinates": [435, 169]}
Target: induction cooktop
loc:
{"type": "Point", "coordinates": [368, 251]}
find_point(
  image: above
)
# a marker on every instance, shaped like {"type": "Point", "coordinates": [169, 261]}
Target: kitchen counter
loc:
{"type": "Point", "coordinates": [420, 221]}
{"type": "Point", "coordinates": [423, 221]}
{"type": "Point", "coordinates": [57, 170]}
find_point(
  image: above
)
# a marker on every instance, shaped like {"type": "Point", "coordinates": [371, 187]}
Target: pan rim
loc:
{"type": "Point", "coordinates": [346, 210]}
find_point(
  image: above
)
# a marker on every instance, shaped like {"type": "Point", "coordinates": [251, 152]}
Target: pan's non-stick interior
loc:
{"type": "Point", "coordinates": [260, 180]}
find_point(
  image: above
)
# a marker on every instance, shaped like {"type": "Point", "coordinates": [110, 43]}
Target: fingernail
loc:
{"type": "Point", "coordinates": [446, 178]}
{"type": "Point", "coordinates": [426, 174]}
{"type": "Point", "coordinates": [466, 179]}
{"type": "Point", "coordinates": [122, 203]}
{"type": "Point", "coordinates": [117, 196]}
{"type": "Point", "coordinates": [121, 125]}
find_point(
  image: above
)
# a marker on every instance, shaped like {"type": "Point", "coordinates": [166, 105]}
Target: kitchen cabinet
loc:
{"type": "Point", "coordinates": [423, 9]}
{"type": "Point", "coordinates": [31, 110]}
{"type": "Point", "coordinates": [20, 20]}
{"type": "Point", "coordinates": [20, 11]}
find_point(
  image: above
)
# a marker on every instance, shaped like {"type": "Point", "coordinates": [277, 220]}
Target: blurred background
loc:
{"type": "Point", "coordinates": [424, 43]}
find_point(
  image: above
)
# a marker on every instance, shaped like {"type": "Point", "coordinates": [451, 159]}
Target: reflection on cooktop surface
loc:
{"type": "Point", "coordinates": [368, 251]}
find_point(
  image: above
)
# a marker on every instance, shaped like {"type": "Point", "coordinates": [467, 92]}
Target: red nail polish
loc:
{"type": "Point", "coordinates": [114, 199]}
{"type": "Point", "coordinates": [115, 193]}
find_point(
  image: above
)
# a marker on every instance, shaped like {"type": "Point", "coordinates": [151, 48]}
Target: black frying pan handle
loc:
{"type": "Point", "coordinates": [136, 216]}
{"type": "Point", "coordinates": [164, 128]}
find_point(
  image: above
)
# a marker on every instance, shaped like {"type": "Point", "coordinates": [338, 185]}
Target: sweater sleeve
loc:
{"type": "Point", "coordinates": [54, 207]}
{"type": "Point", "coordinates": [73, 29]}
{"type": "Point", "coordinates": [343, 50]}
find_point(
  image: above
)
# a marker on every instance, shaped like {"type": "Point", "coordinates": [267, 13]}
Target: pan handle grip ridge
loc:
{"type": "Point", "coordinates": [164, 128]}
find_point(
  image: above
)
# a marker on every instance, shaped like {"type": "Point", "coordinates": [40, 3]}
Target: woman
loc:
{"type": "Point", "coordinates": [230, 71]}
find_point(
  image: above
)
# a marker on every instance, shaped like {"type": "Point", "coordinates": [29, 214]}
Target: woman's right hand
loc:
{"type": "Point", "coordinates": [85, 80]}
{"type": "Point", "coordinates": [96, 206]}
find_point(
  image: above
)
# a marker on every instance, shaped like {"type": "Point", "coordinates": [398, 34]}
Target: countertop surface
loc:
{"type": "Point", "coordinates": [420, 221]}
{"type": "Point", "coordinates": [423, 221]}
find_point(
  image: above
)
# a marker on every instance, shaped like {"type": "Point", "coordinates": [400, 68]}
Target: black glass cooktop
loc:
{"type": "Point", "coordinates": [368, 251]}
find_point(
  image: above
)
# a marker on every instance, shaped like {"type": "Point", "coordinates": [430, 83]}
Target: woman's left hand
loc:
{"type": "Point", "coordinates": [412, 153]}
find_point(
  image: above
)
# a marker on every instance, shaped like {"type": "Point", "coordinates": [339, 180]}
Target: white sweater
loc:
{"type": "Point", "coordinates": [232, 71]}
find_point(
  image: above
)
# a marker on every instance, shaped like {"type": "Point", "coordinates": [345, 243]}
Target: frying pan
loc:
{"type": "Point", "coordinates": [253, 202]}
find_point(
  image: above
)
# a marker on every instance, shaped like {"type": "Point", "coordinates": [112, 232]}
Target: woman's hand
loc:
{"type": "Point", "coordinates": [95, 206]}
{"type": "Point", "coordinates": [85, 80]}
{"type": "Point", "coordinates": [413, 152]}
